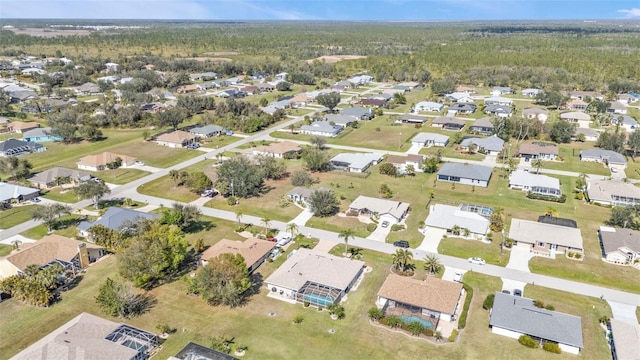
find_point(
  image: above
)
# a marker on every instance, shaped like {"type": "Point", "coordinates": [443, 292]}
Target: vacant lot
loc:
{"type": "Point", "coordinates": [332, 59]}
{"type": "Point", "coordinates": [16, 215]}
{"type": "Point", "coordinates": [570, 154]}
{"type": "Point", "coordinates": [155, 155]}
{"type": "Point", "coordinates": [165, 187]}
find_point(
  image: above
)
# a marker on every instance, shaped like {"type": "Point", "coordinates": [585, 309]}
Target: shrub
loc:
{"type": "Point", "coordinates": [163, 328]}
{"type": "Point", "coordinates": [337, 310]}
{"type": "Point", "coordinates": [462, 321]}
{"type": "Point", "coordinates": [320, 308]}
{"type": "Point", "coordinates": [371, 227]}
{"type": "Point", "coordinates": [415, 328]}
{"type": "Point", "coordinates": [579, 196]}
{"type": "Point", "coordinates": [453, 336]}
{"type": "Point", "coordinates": [488, 301]}
{"type": "Point", "coordinates": [306, 304]}
{"type": "Point", "coordinates": [231, 200]}
{"type": "Point", "coordinates": [538, 303]}
{"type": "Point", "coordinates": [527, 341]}
{"type": "Point", "coordinates": [298, 319]}
{"type": "Point", "coordinates": [375, 313]}
{"type": "Point", "coordinates": [427, 331]}
{"type": "Point", "coordinates": [571, 254]}
{"type": "Point", "coordinates": [397, 227]}
{"type": "Point", "coordinates": [549, 307]}
{"type": "Point", "coordinates": [394, 321]}
{"type": "Point", "coordinates": [561, 199]}
{"type": "Point", "coordinates": [578, 256]}
{"type": "Point", "coordinates": [552, 347]}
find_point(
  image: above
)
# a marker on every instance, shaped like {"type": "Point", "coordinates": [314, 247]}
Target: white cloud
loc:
{"type": "Point", "coordinates": [630, 13]}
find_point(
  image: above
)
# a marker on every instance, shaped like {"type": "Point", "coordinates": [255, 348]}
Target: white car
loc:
{"type": "Point", "coordinates": [614, 170]}
{"type": "Point", "coordinates": [477, 261]}
{"type": "Point", "coordinates": [139, 163]}
{"type": "Point", "coordinates": [457, 277]}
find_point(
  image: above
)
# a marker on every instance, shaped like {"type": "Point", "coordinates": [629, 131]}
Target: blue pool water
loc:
{"type": "Point", "coordinates": [412, 318]}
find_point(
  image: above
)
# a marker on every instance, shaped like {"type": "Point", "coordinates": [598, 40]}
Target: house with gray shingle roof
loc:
{"type": "Point", "coordinates": [321, 128]}
{"type": "Point", "coordinates": [382, 208]}
{"type": "Point", "coordinates": [497, 100]}
{"type": "Point", "coordinates": [462, 108]}
{"type": "Point", "coordinates": [430, 139]}
{"type": "Point", "coordinates": [466, 174]}
{"type": "Point", "coordinates": [626, 122]}
{"type": "Point", "coordinates": [15, 147]}
{"type": "Point", "coordinates": [208, 130]}
{"type": "Point", "coordinates": [358, 112]}
{"type": "Point", "coordinates": [115, 218]}
{"type": "Point", "coordinates": [355, 162]}
{"type": "Point", "coordinates": [340, 120]}
{"type": "Point", "coordinates": [514, 316]}
{"type": "Point", "coordinates": [50, 178]}
{"type": "Point", "coordinates": [619, 246]}
{"type": "Point", "coordinates": [483, 126]}
{"type": "Point", "coordinates": [491, 145]}
{"type": "Point", "coordinates": [448, 123]}
{"type": "Point", "coordinates": [498, 110]}
{"type": "Point", "coordinates": [607, 157]}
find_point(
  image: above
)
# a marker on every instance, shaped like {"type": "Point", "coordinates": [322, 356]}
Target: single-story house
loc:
{"type": "Point", "coordinates": [465, 89]}
{"type": "Point", "coordinates": [501, 90]}
{"type": "Point", "coordinates": [355, 162]}
{"type": "Point", "coordinates": [314, 277]}
{"type": "Point", "coordinates": [535, 183]}
{"type": "Point", "coordinates": [253, 250]}
{"type": "Point", "coordinates": [538, 150]}
{"type": "Point", "coordinates": [186, 89]}
{"type": "Point", "coordinates": [39, 135]}
{"type": "Point", "coordinates": [459, 97]}
{"type": "Point", "coordinates": [617, 107]}
{"type": "Point", "coordinates": [612, 192]}
{"type": "Point", "coordinates": [576, 104]}
{"type": "Point", "coordinates": [466, 174]}
{"type": "Point", "coordinates": [582, 119]}
{"type": "Point", "coordinates": [23, 96]}
{"type": "Point", "coordinates": [411, 119]}
{"type": "Point", "coordinates": [387, 209]}
{"type": "Point", "coordinates": [15, 147]}
{"type": "Point", "coordinates": [193, 351]}
{"type": "Point", "coordinates": [277, 105]}
{"type": "Point", "coordinates": [513, 316]}
{"type": "Point", "coordinates": [532, 113]}
{"type": "Point", "coordinates": [625, 339]}
{"type": "Point", "coordinates": [628, 98]}
{"type": "Point", "coordinates": [583, 95]}
{"type": "Point", "coordinates": [447, 217]}
{"type": "Point", "coordinates": [265, 87]}
{"type": "Point", "coordinates": [301, 100]}
{"type": "Point", "coordinates": [12, 192]}
{"type": "Point", "coordinates": [497, 100]}
{"type": "Point", "coordinates": [360, 79]}
{"type": "Point", "coordinates": [49, 178]}
{"type": "Point", "coordinates": [20, 127]}
{"type": "Point", "coordinates": [208, 131]}
{"type": "Point", "coordinates": [401, 162]}
{"type": "Point", "coordinates": [340, 120]}
{"type": "Point", "coordinates": [88, 334]}
{"type": "Point", "coordinates": [88, 89]}
{"type": "Point", "coordinates": [498, 110]}
{"type": "Point", "coordinates": [491, 145]}
{"type": "Point", "coordinates": [115, 218]}
{"type": "Point", "coordinates": [619, 246]}
{"type": "Point", "coordinates": [99, 162]}
{"type": "Point", "coordinates": [52, 249]}
{"type": "Point", "coordinates": [278, 149]}
{"type": "Point", "coordinates": [448, 123]}
{"type": "Point", "coordinates": [344, 84]}
{"type": "Point", "coordinates": [531, 92]}
{"type": "Point", "coordinates": [300, 194]}
{"type": "Point", "coordinates": [589, 134]}
{"type": "Point", "coordinates": [410, 84]}
{"type": "Point", "coordinates": [462, 108]}
{"type": "Point", "coordinates": [176, 139]}
{"type": "Point", "coordinates": [607, 157]}
{"type": "Point", "coordinates": [399, 88]}
{"type": "Point", "coordinates": [358, 112]}
{"type": "Point", "coordinates": [381, 96]}
{"type": "Point", "coordinates": [430, 139]}
{"type": "Point", "coordinates": [428, 106]}
{"type": "Point", "coordinates": [432, 299]}
{"type": "Point", "coordinates": [321, 128]}
{"type": "Point", "coordinates": [545, 239]}
{"type": "Point", "coordinates": [628, 123]}
{"type": "Point", "coordinates": [482, 126]}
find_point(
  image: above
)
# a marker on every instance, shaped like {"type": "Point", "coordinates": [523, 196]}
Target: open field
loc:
{"type": "Point", "coordinates": [60, 194]}
{"type": "Point", "coordinates": [65, 227]}
{"type": "Point", "coordinates": [570, 153]}
{"type": "Point", "coordinates": [332, 59]}
{"type": "Point", "coordinates": [464, 248]}
{"type": "Point", "coordinates": [159, 186]}
{"type": "Point", "coordinates": [155, 155]}
{"type": "Point", "coordinates": [16, 215]}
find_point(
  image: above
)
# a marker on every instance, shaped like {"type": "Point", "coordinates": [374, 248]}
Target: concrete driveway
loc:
{"type": "Point", "coordinates": [623, 312]}
{"type": "Point", "coordinates": [381, 233]}
{"type": "Point", "coordinates": [303, 217]}
{"type": "Point", "coordinates": [519, 258]}
{"type": "Point", "coordinates": [450, 272]}
{"type": "Point", "coordinates": [511, 285]}
{"type": "Point", "coordinates": [432, 237]}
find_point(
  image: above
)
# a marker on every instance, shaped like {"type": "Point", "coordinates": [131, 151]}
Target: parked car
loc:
{"type": "Point", "coordinates": [506, 292]}
{"type": "Point", "coordinates": [193, 146]}
{"type": "Point", "coordinates": [477, 261]}
{"type": "Point", "coordinates": [614, 170]}
{"type": "Point", "coordinates": [36, 200]}
{"type": "Point", "coordinates": [457, 277]}
{"type": "Point", "coordinates": [209, 193]}
{"type": "Point", "coordinates": [139, 163]}
{"type": "Point", "coordinates": [401, 243]}
{"type": "Point", "coordinates": [517, 292]}
{"type": "Point", "coordinates": [385, 224]}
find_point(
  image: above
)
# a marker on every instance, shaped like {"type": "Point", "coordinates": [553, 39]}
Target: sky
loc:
{"type": "Point", "coordinates": [386, 10]}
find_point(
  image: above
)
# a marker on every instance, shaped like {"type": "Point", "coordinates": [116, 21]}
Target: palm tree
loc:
{"type": "Point", "coordinates": [16, 244]}
{"type": "Point", "coordinates": [432, 264]}
{"type": "Point", "coordinates": [292, 228]}
{"type": "Point", "coordinates": [497, 219]}
{"type": "Point", "coordinates": [266, 222]}
{"type": "Point", "coordinates": [401, 259]}
{"type": "Point", "coordinates": [346, 235]}
{"type": "Point", "coordinates": [551, 211]}
{"type": "Point", "coordinates": [455, 230]}
{"type": "Point", "coordinates": [239, 215]}
{"type": "Point", "coordinates": [355, 252]}
{"type": "Point", "coordinates": [466, 232]}
{"type": "Point", "coordinates": [537, 164]}
{"type": "Point", "coordinates": [175, 176]}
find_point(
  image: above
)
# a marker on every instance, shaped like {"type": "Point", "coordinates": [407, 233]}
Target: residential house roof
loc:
{"type": "Point", "coordinates": [448, 120]}
{"type": "Point", "coordinates": [447, 216]}
{"type": "Point", "coordinates": [301, 192]}
{"type": "Point", "coordinates": [251, 249]}
{"type": "Point", "coordinates": [207, 129]}
{"type": "Point", "coordinates": [588, 132]}
{"type": "Point", "coordinates": [340, 119]}
{"type": "Point", "coordinates": [49, 248]}
{"type": "Point", "coordinates": [491, 143]}
{"type": "Point", "coordinates": [396, 209]}
{"type": "Point", "coordinates": [88, 88]}
{"type": "Point", "coordinates": [23, 125]}
{"type": "Point", "coordinates": [534, 111]}
{"type": "Point", "coordinates": [321, 126]}
{"type": "Point", "coordinates": [575, 115]}
{"type": "Point", "coordinates": [531, 232]}
{"type": "Point", "coordinates": [610, 156]}
{"type": "Point", "coordinates": [12, 191]}
{"type": "Point", "coordinates": [626, 120]}
{"type": "Point", "coordinates": [429, 105]}
{"type": "Point", "coordinates": [497, 100]}
{"type": "Point", "coordinates": [411, 118]}
{"type": "Point", "coordinates": [576, 104]}
{"type": "Point", "coordinates": [401, 160]}
{"type": "Point", "coordinates": [50, 175]}
{"type": "Point", "coordinates": [14, 146]}
{"type": "Point", "coordinates": [605, 190]}
{"type": "Point", "coordinates": [525, 178]}
{"type": "Point", "coordinates": [373, 102]}
{"type": "Point", "coordinates": [616, 105]}
{"type": "Point", "coordinates": [423, 137]}
{"type": "Point", "coordinates": [518, 314]}
{"type": "Point", "coordinates": [307, 265]}
{"type": "Point", "coordinates": [626, 339]}
{"type": "Point", "coordinates": [457, 96]}
{"type": "Point", "coordinates": [115, 217]}
{"type": "Point", "coordinates": [538, 148]}
{"type": "Point", "coordinates": [498, 109]}
{"type": "Point", "coordinates": [37, 132]}
{"type": "Point", "coordinates": [467, 89]}
{"type": "Point", "coordinates": [357, 160]}
{"type": "Point", "coordinates": [585, 94]}
{"type": "Point", "coordinates": [356, 111]}
{"type": "Point", "coordinates": [466, 171]}
{"type": "Point", "coordinates": [103, 159]}
{"type": "Point", "coordinates": [485, 122]}
{"type": "Point", "coordinates": [463, 107]}
{"type": "Point", "coordinates": [177, 137]}
{"type": "Point", "coordinates": [502, 89]}
{"type": "Point", "coordinates": [616, 238]}
{"type": "Point", "coordinates": [431, 293]}
{"type": "Point", "coordinates": [280, 148]}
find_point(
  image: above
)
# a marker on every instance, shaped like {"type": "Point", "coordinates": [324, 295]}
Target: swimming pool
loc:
{"type": "Point", "coordinates": [412, 318]}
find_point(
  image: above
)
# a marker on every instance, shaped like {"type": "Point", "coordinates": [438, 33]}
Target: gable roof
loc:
{"type": "Point", "coordinates": [532, 232]}
{"type": "Point", "coordinates": [207, 129]}
{"type": "Point", "coordinates": [447, 216]}
{"type": "Point", "coordinates": [339, 119]}
{"type": "Point", "coordinates": [357, 160]}
{"type": "Point", "coordinates": [525, 178]}
{"type": "Point", "coordinates": [444, 120]}
{"type": "Point", "coordinates": [534, 111]}
{"type": "Point", "coordinates": [103, 159]}
{"type": "Point", "coordinates": [503, 109]}
{"type": "Point", "coordinates": [518, 314]}
{"type": "Point", "coordinates": [497, 100]}
{"type": "Point", "coordinates": [466, 171]}
{"type": "Point", "coordinates": [626, 338]}
{"type": "Point", "coordinates": [457, 96]}
{"type": "Point", "coordinates": [50, 175]}
{"type": "Point", "coordinates": [485, 122]}
{"type": "Point", "coordinates": [429, 105]}
{"type": "Point", "coordinates": [14, 146]}
{"type": "Point", "coordinates": [49, 248]}
{"type": "Point", "coordinates": [176, 137]}
{"type": "Point", "coordinates": [463, 107]}
{"type": "Point", "coordinates": [423, 137]}
{"type": "Point", "coordinates": [38, 132]}
{"type": "Point", "coordinates": [12, 191]}
{"type": "Point", "coordinates": [23, 125]}
{"type": "Point", "coordinates": [356, 111]}
{"type": "Point", "coordinates": [321, 126]}
{"type": "Point", "coordinates": [432, 293]}
{"type": "Point", "coordinates": [307, 265]}
{"type": "Point", "coordinates": [605, 190]}
{"type": "Point", "coordinates": [616, 238]}
{"type": "Point", "coordinates": [115, 217]}
{"type": "Point", "coordinates": [537, 149]}
{"type": "Point", "coordinates": [610, 156]}
{"type": "Point", "coordinates": [300, 191]}
{"type": "Point", "coordinates": [616, 105]}
{"type": "Point", "coordinates": [575, 115]}
{"type": "Point", "coordinates": [396, 209]}
{"type": "Point", "coordinates": [491, 143]}
{"type": "Point", "coordinates": [252, 249]}
{"type": "Point", "coordinates": [404, 159]}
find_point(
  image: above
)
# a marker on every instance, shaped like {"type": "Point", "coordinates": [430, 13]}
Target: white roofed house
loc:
{"type": "Point", "coordinates": [430, 139]}
{"type": "Point", "coordinates": [16, 193]}
{"type": "Point", "coordinates": [460, 97]}
{"type": "Point", "coordinates": [607, 157]}
{"type": "Point", "coordinates": [501, 90]}
{"type": "Point", "coordinates": [497, 100]}
{"type": "Point", "coordinates": [491, 145]}
{"type": "Point", "coordinates": [340, 120]}
{"type": "Point", "coordinates": [626, 122]}
{"type": "Point", "coordinates": [532, 113]}
{"type": "Point", "coordinates": [530, 92]}
{"type": "Point", "coordinates": [589, 134]}
{"type": "Point", "coordinates": [612, 192]}
{"type": "Point", "coordinates": [208, 130]}
{"type": "Point", "coordinates": [620, 246]}
{"type": "Point", "coordinates": [582, 119]}
{"type": "Point", "coordinates": [617, 107]}
{"type": "Point", "coordinates": [628, 98]}
{"type": "Point", "coordinates": [428, 106]}
{"type": "Point", "coordinates": [402, 162]}
{"type": "Point", "coordinates": [546, 239]}
{"type": "Point", "coordinates": [447, 217]}
{"type": "Point", "coordinates": [321, 128]}
{"type": "Point", "coordinates": [411, 119]}
{"type": "Point", "coordinates": [355, 162]}
{"type": "Point", "coordinates": [535, 183]}
{"type": "Point", "coordinates": [381, 208]}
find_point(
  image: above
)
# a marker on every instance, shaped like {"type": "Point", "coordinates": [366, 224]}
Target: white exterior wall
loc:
{"type": "Point", "coordinates": [88, 167]}
{"type": "Point", "coordinates": [616, 258]}
{"type": "Point", "coordinates": [287, 294]}
{"type": "Point", "coordinates": [446, 317]}
{"type": "Point", "coordinates": [473, 182]}
{"type": "Point", "coordinates": [7, 269]}
{"type": "Point", "coordinates": [569, 349]}
{"type": "Point", "coordinates": [169, 144]}
{"type": "Point", "coordinates": [382, 301]}
{"type": "Point", "coordinates": [505, 332]}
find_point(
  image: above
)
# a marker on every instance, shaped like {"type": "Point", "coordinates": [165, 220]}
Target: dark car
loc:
{"type": "Point", "coordinates": [401, 243]}
{"type": "Point", "coordinates": [517, 292]}
{"type": "Point", "coordinates": [506, 292]}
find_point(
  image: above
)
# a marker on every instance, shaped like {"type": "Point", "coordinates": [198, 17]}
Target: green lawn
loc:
{"type": "Point", "coordinates": [155, 155]}
{"type": "Point", "coordinates": [16, 215]}
{"type": "Point", "coordinates": [633, 167]}
{"type": "Point", "coordinates": [160, 186]}
{"type": "Point", "coordinates": [5, 249]}
{"type": "Point", "coordinates": [119, 176]}
{"type": "Point", "coordinates": [218, 141]}
{"type": "Point", "coordinates": [463, 248]}
{"type": "Point", "coordinates": [337, 224]}
{"type": "Point", "coordinates": [60, 194]}
{"type": "Point", "coordinates": [66, 227]}
{"type": "Point", "coordinates": [570, 153]}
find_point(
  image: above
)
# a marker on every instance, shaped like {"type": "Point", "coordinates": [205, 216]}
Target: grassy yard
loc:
{"type": "Point", "coordinates": [218, 141]}
{"type": "Point", "coordinates": [16, 215]}
{"type": "Point", "coordinates": [570, 153]}
{"type": "Point", "coordinates": [5, 249]}
{"type": "Point", "coordinates": [464, 248]}
{"type": "Point", "coordinates": [380, 133]}
{"type": "Point", "coordinates": [633, 167]}
{"type": "Point", "coordinates": [160, 186]}
{"type": "Point", "coordinates": [66, 227]}
{"type": "Point", "coordinates": [119, 176]}
{"type": "Point", "coordinates": [155, 155]}
{"type": "Point", "coordinates": [60, 194]}
{"type": "Point", "coordinates": [337, 224]}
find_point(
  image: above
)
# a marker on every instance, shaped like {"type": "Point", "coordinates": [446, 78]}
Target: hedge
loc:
{"type": "Point", "coordinates": [371, 227]}
{"type": "Point", "coordinates": [527, 341]}
{"type": "Point", "coordinates": [552, 347]}
{"type": "Point", "coordinates": [462, 321]}
{"type": "Point", "coordinates": [561, 199]}
{"type": "Point", "coordinates": [488, 301]}
{"type": "Point", "coordinates": [453, 336]}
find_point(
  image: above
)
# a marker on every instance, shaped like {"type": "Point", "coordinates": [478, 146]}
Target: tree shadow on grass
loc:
{"type": "Point", "coordinates": [198, 226]}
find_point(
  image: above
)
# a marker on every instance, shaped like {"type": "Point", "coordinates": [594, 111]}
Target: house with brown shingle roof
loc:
{"type": "Point", "coordinates": [185, 89]}
{"type": "Point", "coordinates": [52, 249]}
{"type": "Point", "coordinates": [278, 149]}
{"type": "Point", "coordinates": [538, 150]}
{"type": "Point", "coordinates": [176, 139]}
{"type": "Point", "coordinates": [99, 162]}
{"type": "Point", "coordinates": [254, 251]}
{"type": "Point", "coordinates": [20, 127]}
{"type": "Point", "coordinates": [432, 299]}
